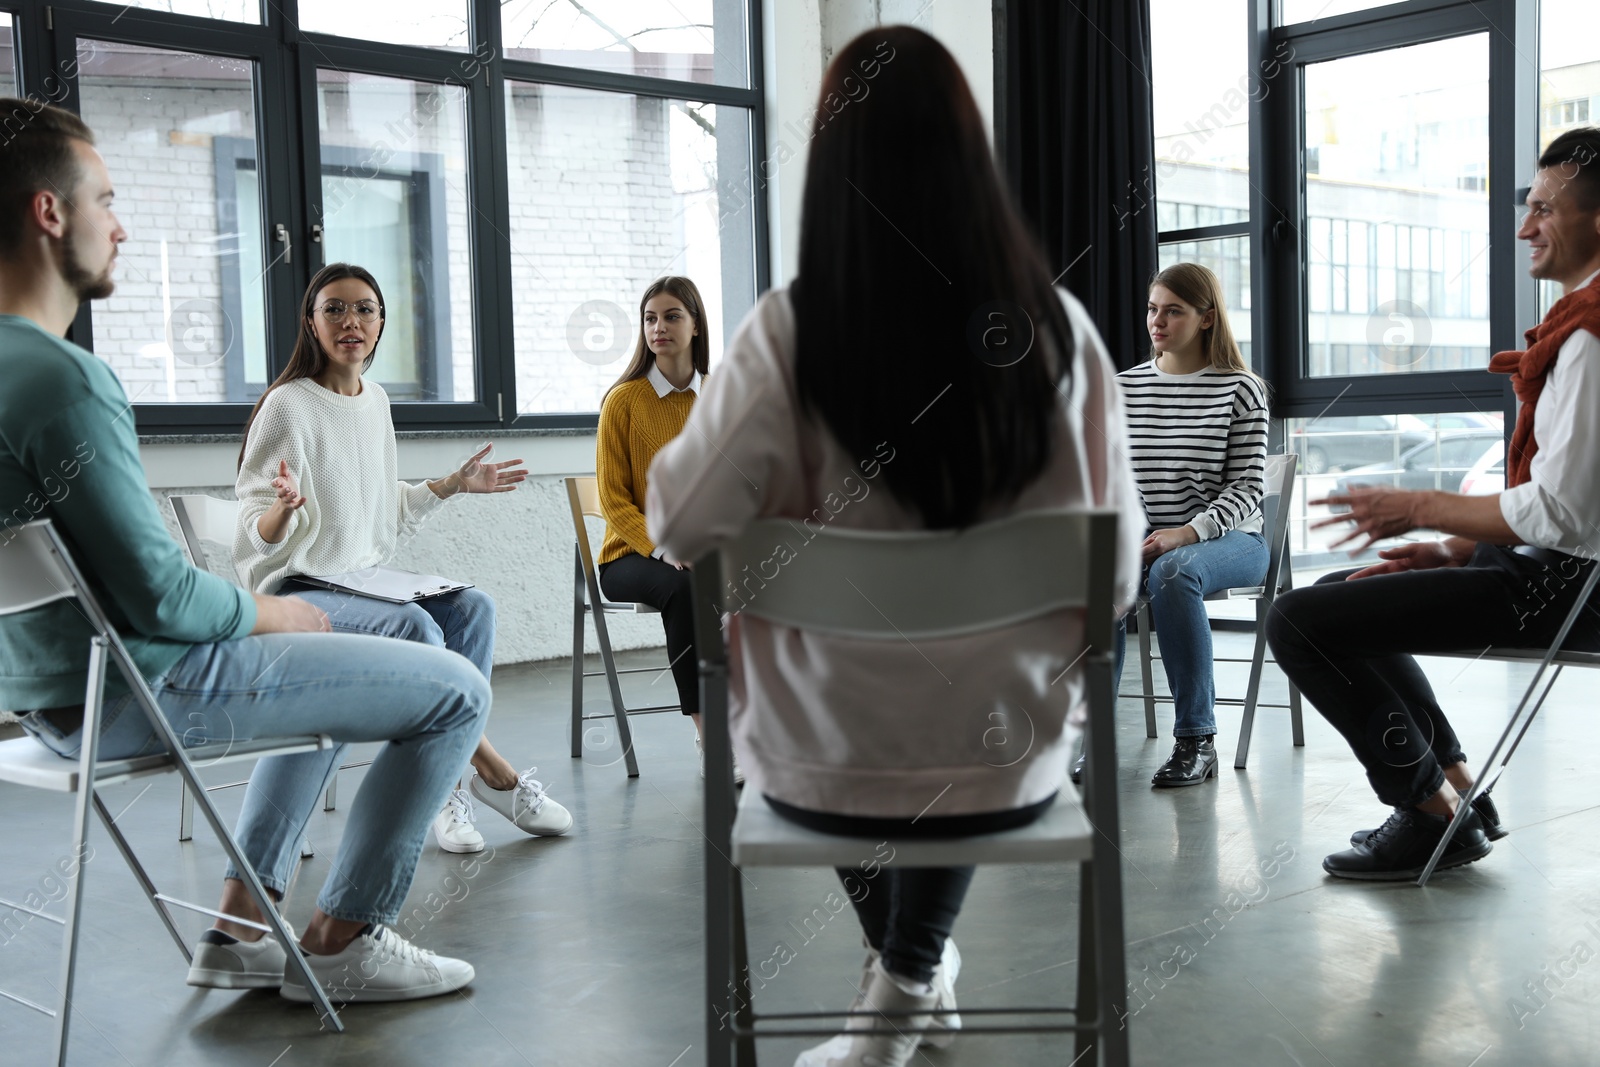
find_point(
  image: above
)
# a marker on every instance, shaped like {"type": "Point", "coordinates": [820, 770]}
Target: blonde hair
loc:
{"type": "Point", "coordinates": [1198, 287]}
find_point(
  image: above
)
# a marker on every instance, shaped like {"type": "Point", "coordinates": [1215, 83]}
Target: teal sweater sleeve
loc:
{"type": "Point", "coordinates": [68, 452]}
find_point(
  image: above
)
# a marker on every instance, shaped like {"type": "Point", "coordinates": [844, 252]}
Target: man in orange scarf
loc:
{"type": "Point", "coordinates": [1507, 573]}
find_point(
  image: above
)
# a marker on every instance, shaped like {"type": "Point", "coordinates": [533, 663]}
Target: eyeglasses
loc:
{"type": "Point", "coordinates": [335, 311]}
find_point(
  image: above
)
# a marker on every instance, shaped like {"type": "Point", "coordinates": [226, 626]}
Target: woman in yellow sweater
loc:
{"type": "Point", "coordinates": [642, 412]}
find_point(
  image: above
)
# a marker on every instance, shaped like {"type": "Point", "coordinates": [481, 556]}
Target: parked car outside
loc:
{"type": "Point", "coordinates": [1341, 442]}
{"type": "Point", "coordinates": [1488, 475]}
{"type": "Point", "coordinates": [1443, 462]}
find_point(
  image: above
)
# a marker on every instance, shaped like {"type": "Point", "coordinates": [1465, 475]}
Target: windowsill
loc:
{"type": "Point", "coordinates": [204, 460]}
{"type": "Point", "coordinates": [400, 435]}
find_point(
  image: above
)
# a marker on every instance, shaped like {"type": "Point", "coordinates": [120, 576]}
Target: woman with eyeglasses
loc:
{"type": "Point", "coordinates": [318, 494]}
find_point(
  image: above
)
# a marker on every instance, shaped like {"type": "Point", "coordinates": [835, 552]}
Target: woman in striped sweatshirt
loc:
{"type": "Point", "coordinates": [642, 412]}
{"type": "Point", "coordinates": [1197, 437]}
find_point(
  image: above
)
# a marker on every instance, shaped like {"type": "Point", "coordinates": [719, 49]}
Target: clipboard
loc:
{"type": "Point", "coordinates": [388, 584]}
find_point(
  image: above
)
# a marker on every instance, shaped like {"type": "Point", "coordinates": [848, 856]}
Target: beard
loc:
{"type": "Point", "coordinates": [82, 279]}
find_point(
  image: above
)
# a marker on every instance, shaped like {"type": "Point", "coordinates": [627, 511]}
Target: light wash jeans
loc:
{"type": "Point", "coordinates": [1177, 584]}
{"type": "Point", "coordinates": [430, 703]}
{"type": "Point", "coordinates": [462, 622]}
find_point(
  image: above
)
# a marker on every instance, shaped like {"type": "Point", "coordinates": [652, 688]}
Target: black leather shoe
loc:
{"type": "Point", "coordinates": [1193, 760]}
{"type": "Point", "coordinates": [1487, 813]}
{"type": "Point", "coordinates": [1077, 767]}
{"type": "Point", "coordinates": [1398, 850]}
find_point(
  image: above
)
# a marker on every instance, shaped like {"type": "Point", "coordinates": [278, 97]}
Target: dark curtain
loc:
{"type": "Point", "coordinates": [1076, 140]}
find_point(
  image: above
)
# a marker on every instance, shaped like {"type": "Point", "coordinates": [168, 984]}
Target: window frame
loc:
{"type": "Point", "coordinates": [1278, 206]}
{"type": "Point", "coordinates": [287, 59]}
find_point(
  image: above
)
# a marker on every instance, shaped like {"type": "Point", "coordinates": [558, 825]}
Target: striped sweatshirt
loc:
{"type": "Point", "coordinates": [1198, 443]}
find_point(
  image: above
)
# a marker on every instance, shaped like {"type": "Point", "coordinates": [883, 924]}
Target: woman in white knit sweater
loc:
{"type": "Point", "coordinates": [318, 494]}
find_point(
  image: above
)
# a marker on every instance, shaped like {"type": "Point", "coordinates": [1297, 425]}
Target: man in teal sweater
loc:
{"type": "Point", "coordinates": [223, 663]}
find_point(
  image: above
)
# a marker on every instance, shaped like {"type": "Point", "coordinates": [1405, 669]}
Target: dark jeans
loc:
{"type": "Point", "coordinates": [908, 912]}
{"type": "Point", "coordinates": [642, 580]}
{"type": "Point", "coordinates": [1345, 645]}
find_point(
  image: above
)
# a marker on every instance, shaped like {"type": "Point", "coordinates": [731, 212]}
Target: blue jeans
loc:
{"type": "Point", "coordinates": [462, 622]}
{"type": "Point", "coordinates": [430, 703]}
{"type": "Point", "coordinates": [1177, 584]}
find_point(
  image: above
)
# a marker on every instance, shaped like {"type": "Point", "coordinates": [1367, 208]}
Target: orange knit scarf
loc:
{"type": "Point", "coordinates": [1578, 310]}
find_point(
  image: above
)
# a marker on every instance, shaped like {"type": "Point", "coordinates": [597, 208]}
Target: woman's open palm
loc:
{"type": "Point", "coordinates": [480, 477]}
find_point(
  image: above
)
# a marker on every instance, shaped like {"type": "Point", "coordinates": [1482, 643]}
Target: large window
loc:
{"type": "Point", "coordinates": [1201, 187]}
{"type": "Point", "coordinates": [189, 291]}
{"type": "Point", "coordinates": [1569, 82]}
{"type": "Point", "coordinates": [1397, 209]}
{"type": "Point", "coordinates": [513, 174]}
{"type": "Point", "coordinates": [1384, 259]}
{"type": "Point", "coordinates": [8, 56]}
{"type": "Point", "coordinates": [663, 189]}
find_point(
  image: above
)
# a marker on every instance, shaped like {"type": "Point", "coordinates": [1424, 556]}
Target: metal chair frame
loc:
{"type": "Point", "coordinates": [1533, 699]}
{"type": "Point", "coordinates": [929, 584]}
{"type": "Point", "coordinates": [583, 496]}
{"type": "Point", "coordinates": [36, 569]}
{"type": "Point", "coordinates": [208, 518]}
{"type": "Point", "coordinates": [1279, 476]}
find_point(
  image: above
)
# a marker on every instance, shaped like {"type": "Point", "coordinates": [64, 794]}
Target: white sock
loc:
{"type": "Point", "coordinates": [910, 986]}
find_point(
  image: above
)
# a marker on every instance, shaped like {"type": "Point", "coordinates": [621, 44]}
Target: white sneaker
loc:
{"type": "Point", "coordinates": [453, 828]}
{"type": "Point", "coordinates": [224, 962]}
{"type": "Point", "coordinates": [881, 994]}
{"type": "Point", "coordinates": [378, 965]}
{"type": "Point", "coordinates": [527, 805]}
{"type": "Point", "coordinates": [942, 1030]}
{"type": "Point", "coordinates": [738, 772]}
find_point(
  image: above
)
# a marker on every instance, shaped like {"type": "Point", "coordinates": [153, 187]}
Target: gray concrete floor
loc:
{"type": "Point", "coordinates": [588, 947]}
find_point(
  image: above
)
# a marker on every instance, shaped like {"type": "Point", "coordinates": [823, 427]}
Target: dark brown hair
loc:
{"type": "Point", "coordinates": [1576, 154]}
{"type": "Point", "coordinates": [914, 270]}
{"type": "Point", "coordinates": [308, 360]}
{"type": "Point", "coordinates": [699, 345]}
{"type": "Point", "coordinates": [36, 155]}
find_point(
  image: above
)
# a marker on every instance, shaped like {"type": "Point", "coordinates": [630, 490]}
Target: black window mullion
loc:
{"type": "Point", "coordinates": [1204, 233]}
{"type": "Point", "coordinates": [490, 196]}
{"type": "Point", "coordinates": [523, 70]}
{"type": "Point", "coordinates": [1513, 156]}
{"type": "Point", "coordinates": [758, 144]}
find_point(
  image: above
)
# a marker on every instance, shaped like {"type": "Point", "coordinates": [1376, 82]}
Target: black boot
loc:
{"type": "Point", "coordinates": [1193, 760]}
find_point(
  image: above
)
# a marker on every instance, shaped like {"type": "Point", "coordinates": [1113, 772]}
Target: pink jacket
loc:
{"type": "Point", "coordinates": [889, 729]}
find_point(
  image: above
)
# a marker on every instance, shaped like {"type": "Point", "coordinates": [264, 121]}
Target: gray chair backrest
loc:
{"type": "Point", "coordinates": [1279, 477]}
{"type": "Point", "coordinates": [205, 518]}
{"type": "Point", "coordinates": [31, 571]}
{"type": "Point", "coordinates": [895, 585]}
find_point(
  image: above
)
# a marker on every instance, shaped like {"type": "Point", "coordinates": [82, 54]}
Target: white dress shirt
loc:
{"type": "Point", "coordinates": [1558, 507]}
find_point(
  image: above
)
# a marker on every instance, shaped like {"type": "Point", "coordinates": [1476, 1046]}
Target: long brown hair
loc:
{"type": "Point", "coordinates": [914, 269]}
{"type": "Point", "coordinates": [1198, 287]}
{"type": "Point", "coordinates": [699, 345]}
{"type": "Point", "coordinates": [308, 360]}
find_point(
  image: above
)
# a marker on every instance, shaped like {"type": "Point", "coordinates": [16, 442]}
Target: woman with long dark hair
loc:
{"type": "Point", "coordinates": [920, 374]}
{"type": "Point", "coordinates": [646, 408]}
{"type": "Point", "coordinates": [318, 494]}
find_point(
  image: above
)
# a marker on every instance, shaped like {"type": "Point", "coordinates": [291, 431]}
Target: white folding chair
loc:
{"type": "Point", "coordinates": [1279, 477]}
{"type": "Point", "coordinates": [36, 570]}
{"type": "Point", "coordinates": [208, 518]}
{"type": "Point", "coordinates": [583, 495]}
{"type": "Point", "coordinates": [1528, 707]}
{"type": "Point", "coordinates": [910, 586]}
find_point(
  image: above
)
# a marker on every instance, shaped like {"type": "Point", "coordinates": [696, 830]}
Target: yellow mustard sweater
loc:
{"type": "Point", "coordinates": [634, 424]}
